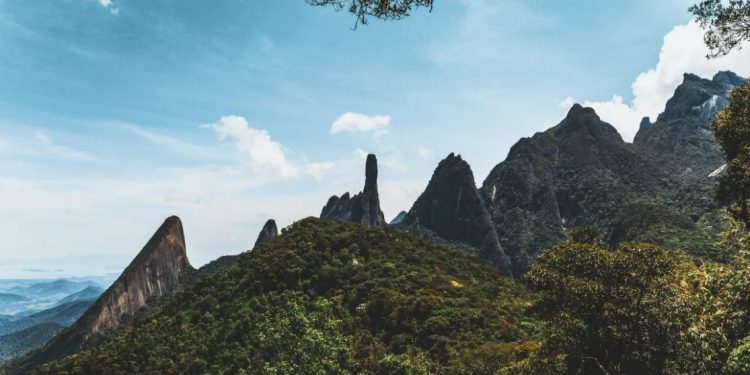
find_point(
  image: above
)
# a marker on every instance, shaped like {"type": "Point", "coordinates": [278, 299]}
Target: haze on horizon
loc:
{"type": "Point", "coordinates": [115, 115]}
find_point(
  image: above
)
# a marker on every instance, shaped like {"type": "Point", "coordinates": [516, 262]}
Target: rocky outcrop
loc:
{"type": "Point", "coordinates": [268, 231]}
{"type": "Point", "coordinates": [155, 272]}
{"type": "Point", "coordinates": [577, 173]}
{"type": "Point", "coordinates": [452, 209]}
{"type": "Point", "coordinates": [681, 141]}
{"type": "Point", "coordinates": [363, 208]}
{"type": "Point", "coordinates": [399, 218]}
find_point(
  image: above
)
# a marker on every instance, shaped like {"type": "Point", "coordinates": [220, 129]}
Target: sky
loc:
{"type": "Point", "coordinates": [115, 114]}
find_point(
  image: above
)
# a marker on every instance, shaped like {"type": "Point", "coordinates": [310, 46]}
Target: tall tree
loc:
{"type": "Point", "coordinates": [382, 9]}
{"type": "Point", "coordinates": [610, 311]}
{"type": "Point", "coordinates": [732, 131]}
{"type": "Point", "coordinates": [727, 24]}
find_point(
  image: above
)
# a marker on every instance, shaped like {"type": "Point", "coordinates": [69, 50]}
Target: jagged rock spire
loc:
{"type": "Point", "coordinates": [269, 231]}
{"type": "Point", "coordinates": [362, 208]}
{"type": "Point", "coordinates": [156, 271]}
{"type": "Point", "coordinates": [452, 208]}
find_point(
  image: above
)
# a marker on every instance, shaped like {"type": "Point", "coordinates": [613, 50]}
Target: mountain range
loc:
{"type": "Point", "coordinates": [398, 290]}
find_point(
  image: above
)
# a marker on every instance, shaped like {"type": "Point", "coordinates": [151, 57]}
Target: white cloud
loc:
{"type": "Point", "coordinates": [46, 146]}
{"type": "Point", "coordinates": [357, 122]}
{"type": "Point", "coordinates": [109, 5]}
{"type": "Point", "coordinates": [425, 153]}
{"type": "Point", "coordinates": [264, 155]}
{"type": "Point", "coordinates": [683, 51]}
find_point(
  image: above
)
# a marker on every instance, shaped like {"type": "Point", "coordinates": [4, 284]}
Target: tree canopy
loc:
{"type": "Point", "coordinates": [382, 9]}
{"type": "Point", "coordinates": [732, 131]}
{"type": "Point", "coordinates": [727, 24]}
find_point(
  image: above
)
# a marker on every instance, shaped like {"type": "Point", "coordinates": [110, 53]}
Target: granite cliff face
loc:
{"type": "Point", "coordinates": [577, 173]}
{"type": "Point", "coordinates": [362, 208]}
{"type": "Point", "coordinates": [268, 231]}
{"type": "Point", "coordinates": [681, 138]}
{"type": "Point", "coordinates": [156, 271]}
{"type": "Point", "coordinates": [452, 209]}
{"type": "Point", "coordinates": [681, 141]}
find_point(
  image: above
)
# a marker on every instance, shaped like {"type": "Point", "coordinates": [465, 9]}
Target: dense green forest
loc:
{"type": "Point", "coordinates": [329, 298]}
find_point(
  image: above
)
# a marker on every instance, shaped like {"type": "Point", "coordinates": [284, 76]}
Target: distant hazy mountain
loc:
{"type": "Point", "coordinates": [64, 315]}
{"type": "Point", "coordinates": [89, 293]}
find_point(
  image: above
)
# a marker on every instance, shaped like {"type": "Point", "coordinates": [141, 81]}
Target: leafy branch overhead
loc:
{"type": "Point", "coordinates": [727, 24]}
{"type": "Point", "coordinates": [382, 9]}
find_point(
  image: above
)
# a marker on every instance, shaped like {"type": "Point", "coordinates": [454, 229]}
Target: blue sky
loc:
{"type": "Point", "coordinates": [116, 114]}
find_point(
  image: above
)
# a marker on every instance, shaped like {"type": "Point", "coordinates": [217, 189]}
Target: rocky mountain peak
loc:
{"type": "Point", "coordinates": [680, 140]}
{"type": "Point", "coordinates": [728, 78]}
{"type": "Point", "coordinates": [452, 209]}
{"type": "Point", "coordinates": [363, 208]}
{"type": "Point", "coordinates": [584, 122]}
{"type": "Point", "coordinates": [371, 174]}
{"type": "Point", "coordinates": [701, 97]}
{"type": "Point", "coordinates": [645, 123]}
{"type": "Point", "coordinates": [268, 231]}
{"type": "Point", "coordinates": [156, 271]}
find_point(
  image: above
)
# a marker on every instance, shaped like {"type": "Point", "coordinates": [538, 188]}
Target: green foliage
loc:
{"type": "Point", "coordinates": [328, 298]}
{"type": "Point", "coordinates": [611, 311]}
{"type": "Point", "coordinates": [739, 359]}
{"type": "Point", "coordinates": [732, 130]}
{"type": "Point", "coordinates": [588, 234]}
{"type": "Point", "coordinates": [382, 9]}
{"type": "Point", "coordinates": [727, 24]}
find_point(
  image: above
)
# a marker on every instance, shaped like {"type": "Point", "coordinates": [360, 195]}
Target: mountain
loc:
{"type": "Point", "coordinates": [155, 272]}
{"type": "Point", "coordinates": [11, 298]}
{"type": "Point", "coordinates": [64, 315]}
{"type": "Point", "coordinates": [21, 342]}
{"type": "Point", "coordinates": [577, 173]}
{"type": "Point", "coordinates": [51, 289]}
{"type": "Point", "coordinates": [87, 294]}
{"type": "Point", "coordinates": [268, 231]}
{"type": "Point", "coordinates": [11, 303]}
{"type": "Point", "coordinates": [363, 208]}
{"type": "Point", "coordinates": [681, 140]}
{"type": "Point", "coordinates": [327, 297]}
{"type": "Point", "coordinates": [399, 218]}
{"type": "Point", "coordinates": [452, 208]}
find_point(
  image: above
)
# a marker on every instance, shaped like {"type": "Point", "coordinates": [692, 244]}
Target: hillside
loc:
{"type": "Point", "coordinates": [328, 297]}
{"type": "Point", "coordinates": [18, 343]}
{"type": "Point", "coordinates": [64, 315]}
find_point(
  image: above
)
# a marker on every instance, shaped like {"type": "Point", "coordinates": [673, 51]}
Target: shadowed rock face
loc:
{"type": "Point", "coordinates": [452, 208]}
{"type": "Point", "coordinates": [681, 139]}
{"type": "Point", "coordinates": [155, 272]}
{"type": "Point", "coordinates": [363, 208]}
{"type": "Point", "coordinates": [269, 231]}
{"type": "Point", "coordinates": [577, 173]}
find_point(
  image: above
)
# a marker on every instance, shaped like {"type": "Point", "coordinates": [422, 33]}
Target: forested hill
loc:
{"type": "Point", "coordinates": [328, 297]}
